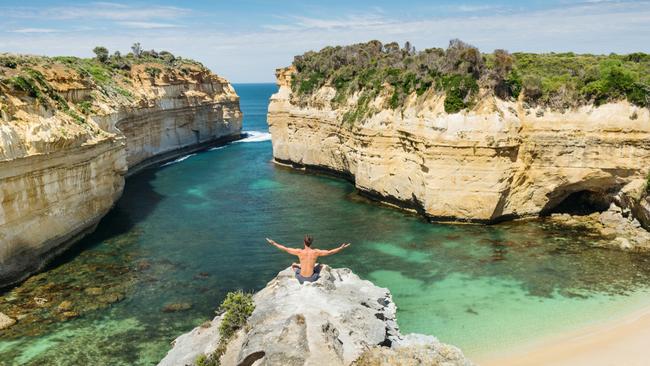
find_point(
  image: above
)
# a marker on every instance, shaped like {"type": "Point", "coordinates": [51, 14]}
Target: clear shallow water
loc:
{"type": "Point", "coordinates": [191, 231]}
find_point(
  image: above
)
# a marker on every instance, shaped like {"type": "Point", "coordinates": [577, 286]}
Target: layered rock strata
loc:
{"type": "Point", "coordinates": [337, 320]}
{"type": "Point", "coordinates": [60, 172]}
{"type": "Point", "coordinates": [500, 160]}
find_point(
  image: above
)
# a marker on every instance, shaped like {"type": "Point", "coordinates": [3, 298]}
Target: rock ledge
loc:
{"type": "Point", "coordinates": [338, 320]}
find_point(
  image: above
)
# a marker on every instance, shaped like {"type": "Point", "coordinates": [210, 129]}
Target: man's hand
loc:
{"type": "Point", "coordinates": [345, 245]}
{"type": "Point", "coordinates": [271, 241]}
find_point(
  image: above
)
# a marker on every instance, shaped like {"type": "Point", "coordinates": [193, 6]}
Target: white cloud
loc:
{"type": "Point", "coordinates": [473, 8]}
{"type": "Point", "coordinates": [34, 30]}
{"type": "Point", "coordinates": [148, 25]}
{"type": "Point", "coordinates": [99, 10]}
{"type": "Point", "coordinates": [247, 56]}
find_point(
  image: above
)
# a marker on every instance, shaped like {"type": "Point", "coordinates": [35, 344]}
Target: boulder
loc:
{"type": "Point", "coordinates": [332, 321]}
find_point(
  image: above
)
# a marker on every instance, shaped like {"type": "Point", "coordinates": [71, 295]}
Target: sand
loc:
{"type": "Point", "coordinates": [625, 341]}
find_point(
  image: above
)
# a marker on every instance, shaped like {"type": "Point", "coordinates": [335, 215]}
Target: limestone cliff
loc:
{"type": "Point", "coordinates": [501, 159]}
{"type": "Point", "coordinates": [69, 132]}
{"type": "Point", "coordinates": [337, 320]}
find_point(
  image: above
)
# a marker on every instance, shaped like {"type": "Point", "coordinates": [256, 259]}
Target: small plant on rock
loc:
{"type": "Point", "coordinates": [235, 309]}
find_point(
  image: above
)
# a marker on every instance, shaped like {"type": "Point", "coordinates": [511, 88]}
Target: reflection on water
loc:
{"type": "Point", "coordinates": [187, 233]}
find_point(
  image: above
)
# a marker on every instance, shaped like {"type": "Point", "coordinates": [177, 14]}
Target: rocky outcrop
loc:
{"type": "Point", "coordinates": [337, 320]}
{"type": "Point", "coordinates": [634, 201]}
{"type": "Point", "coordinates": [500, 160]}
{"type": "Point", "coordinates": [62, 166]}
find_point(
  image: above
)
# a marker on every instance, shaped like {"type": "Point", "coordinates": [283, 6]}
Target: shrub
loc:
{"type": "Point", "coordinates": [101, 53]}
{"type": "Point", "coordinates": [8, 62]}
{"type": "Point", "coordinates": [531, 85]}
{"type": "Point", "coordinates": [137, 49]}
{"type": "Point", "coordinates": [153, 71]}
{"type": "Point", "coordinates": [236, 309]}
{"type": "Point", "coordinates": [554, 80]}
{"type": "Point", "coordinates": [458, 90]}
{"type": "Point", "coordinates": [25, 85]}
{"type": "Point", "coordinates": [85, 106]}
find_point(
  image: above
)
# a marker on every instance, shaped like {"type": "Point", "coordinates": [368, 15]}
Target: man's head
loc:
{"type": "Point", "coordinates": [308, 240]}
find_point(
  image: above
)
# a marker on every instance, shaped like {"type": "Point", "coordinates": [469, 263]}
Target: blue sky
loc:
{"type": "Point", "coordinates": [246, 40]}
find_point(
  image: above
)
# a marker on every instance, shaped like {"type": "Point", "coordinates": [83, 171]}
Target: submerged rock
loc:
{"type": "Point", "coordinates": [615, 229]}
{"type": "Point", "coordinates": [332, 321]}
{"type": "Point", "coordinates": [179, 306]}
{"type": "Point", "coordinates": [6, 321]}
{"type": "Point", "coordinates": [94, 291]}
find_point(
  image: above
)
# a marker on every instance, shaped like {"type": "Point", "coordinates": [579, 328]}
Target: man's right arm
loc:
{"type": "Point", "coordinates": [283, 248]}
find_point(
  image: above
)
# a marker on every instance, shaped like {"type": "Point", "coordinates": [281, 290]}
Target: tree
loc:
{"type": "Point", "coordinates": [102, 53]}
{"type": "Point", "coordinates": [137, 49]}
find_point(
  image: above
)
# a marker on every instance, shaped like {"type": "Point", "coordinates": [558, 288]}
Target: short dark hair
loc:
{"type": "Point", "coordinates": [308, 240]}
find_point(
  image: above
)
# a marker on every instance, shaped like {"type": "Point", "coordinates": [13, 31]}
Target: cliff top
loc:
{"type": "Point", "coordinates": [47, 103]}
{"type": "Point", "coordinates": [79, 86]}
{"type": "Point", "coordinates": [338, 320]}
{"type": "Point", "coordinates": [463, 74]}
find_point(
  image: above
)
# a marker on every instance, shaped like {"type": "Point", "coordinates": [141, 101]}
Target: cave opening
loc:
{"type": "Point", "coordinates": [582, 203]}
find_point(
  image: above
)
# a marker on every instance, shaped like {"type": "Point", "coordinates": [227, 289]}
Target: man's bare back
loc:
{"type": "Point", "coordinates": [307, 256]}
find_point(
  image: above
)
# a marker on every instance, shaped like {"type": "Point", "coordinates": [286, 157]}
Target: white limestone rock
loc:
{"type": "Point", "coordinates": [332, 321]}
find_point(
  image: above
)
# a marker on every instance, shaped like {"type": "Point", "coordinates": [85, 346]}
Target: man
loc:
{"type": "Point", "coordinates": [308, 270]}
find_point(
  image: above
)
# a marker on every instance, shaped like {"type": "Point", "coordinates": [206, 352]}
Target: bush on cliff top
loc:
{"type": "Point", "coordinates": [555, 80]}
{"type": "Point", "coordinates": [236, 309]}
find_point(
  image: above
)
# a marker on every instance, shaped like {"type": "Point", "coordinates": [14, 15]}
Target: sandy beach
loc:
{"type": "Point", "coordinates": [625, 341]}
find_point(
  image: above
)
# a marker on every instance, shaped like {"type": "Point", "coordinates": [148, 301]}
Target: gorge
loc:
{"type": "Point", "coordinates": [188, 231]}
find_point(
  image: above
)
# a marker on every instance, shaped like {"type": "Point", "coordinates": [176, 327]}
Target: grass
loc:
{"type": "Point", "coordinates": [556, 80]}
{"type": "Point", "coordinates": [236, 309]}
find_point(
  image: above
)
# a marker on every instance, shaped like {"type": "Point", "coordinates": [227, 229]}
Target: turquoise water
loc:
{"type": "Point", "coordinates": [193, 230]}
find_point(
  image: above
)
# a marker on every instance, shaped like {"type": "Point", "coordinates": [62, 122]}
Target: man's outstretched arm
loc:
{"type": "Point", "coordinates": [323, 253]}
{"type": "Point", "coordinates": [282, 247]}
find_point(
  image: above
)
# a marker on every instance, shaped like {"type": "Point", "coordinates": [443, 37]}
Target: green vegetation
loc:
{"type": "Point", "coordinates": [556, 81]}
{"type": "Point", "coordinates": [153, 71]}
{"type": "Point", "coordinates": [108, 76]}
{"type": "Point", "coordinates": [101, 53]}
{"type": "Point", "coordinates": [236, 309]}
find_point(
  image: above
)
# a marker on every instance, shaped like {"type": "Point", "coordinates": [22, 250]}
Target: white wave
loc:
{"type": "Point", "coordinates": [217, 148]}
{"type": "Point", "coordinates": [178, 160]}
{"type": "Point", "coordinates": [255, 136]}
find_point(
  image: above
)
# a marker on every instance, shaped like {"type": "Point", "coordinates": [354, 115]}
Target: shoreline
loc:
{"type": "Point", "coordinates": [622, 340]}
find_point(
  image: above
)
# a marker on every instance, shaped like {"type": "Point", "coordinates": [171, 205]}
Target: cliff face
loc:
{"type": "Point", "coordinates": [62, 167]}
{"type": "Point", "coordinates": [177, 113]}
{"type": "Point", "coordinates": [499, 160]}
{"type": "Point", "coordinates": [337, 320]}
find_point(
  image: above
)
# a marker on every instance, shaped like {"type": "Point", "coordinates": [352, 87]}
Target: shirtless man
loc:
{"type": "Point", "coordinates": [308, 270]}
